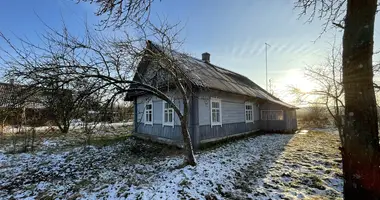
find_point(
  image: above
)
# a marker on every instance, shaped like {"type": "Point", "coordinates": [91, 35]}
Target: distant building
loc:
{"type": "Point", "coordinates": [22, 104]}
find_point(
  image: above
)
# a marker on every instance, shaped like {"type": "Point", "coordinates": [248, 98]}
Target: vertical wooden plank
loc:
{"type": "Point", "coordinates": [135, 125]}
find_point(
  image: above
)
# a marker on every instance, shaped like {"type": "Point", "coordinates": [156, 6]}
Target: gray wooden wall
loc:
{"type": "Point", "coordinates": [288, 123]}
{"type": "Point", "coordinates": [157, 108]}
{"type": "Point", "coordinates": [233, 117]}
{"type": "Point", "coordinates": [233, 107]}
{"type": "Point", "coordinates": [157, 130]}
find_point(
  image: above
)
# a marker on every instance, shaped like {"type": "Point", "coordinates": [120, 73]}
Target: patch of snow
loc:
{"type": "Point", "coordinates": [265, 164]}
{"type": "Point", "coordinates": [77, 124]}
{"type": "Point", "coordinates": [302, 132]}
{"type": "Point", "coordinates": [49, 143]}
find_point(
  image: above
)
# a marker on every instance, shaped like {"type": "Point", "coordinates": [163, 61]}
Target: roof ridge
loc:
{"type": "Point", "coordinates": [227, 80]}
{"type": "Point", "coordinates": [216, 66]}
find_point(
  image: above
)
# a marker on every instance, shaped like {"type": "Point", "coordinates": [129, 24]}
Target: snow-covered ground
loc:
{"type": "Point", "coordinates": [48, 139]}
{"type": "Point", "coordinates": [309, 167]}
{"type": "Point", "coordinates": [73, 125]}
{"type": "Point", "coordinates": [267, 166]}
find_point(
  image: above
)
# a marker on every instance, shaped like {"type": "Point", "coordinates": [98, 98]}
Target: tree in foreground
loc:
{"type": "Point", "coordinates": [108, 65]}
{"type": "Point", "coordinates": [119, 13]}
{"type": "Point", "coordinates": [360, 147]}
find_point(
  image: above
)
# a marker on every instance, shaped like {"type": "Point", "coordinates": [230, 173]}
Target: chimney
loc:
{"type": "Point", "coordinates": [206, 57]}
{"type": "Point", "coordinates": [11, 81]}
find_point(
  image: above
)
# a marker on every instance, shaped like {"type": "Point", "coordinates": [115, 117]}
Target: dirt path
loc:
{"type": "Point", "coordinates": [309, 167]}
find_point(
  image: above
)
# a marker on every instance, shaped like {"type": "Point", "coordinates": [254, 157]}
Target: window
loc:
{"type": "Point", "coordinates": [272, 115]}
{"type": "Point", "coordinates": [248, 112]}
{"type": "Point", "coordinates": [168, 115]}
{"type": "Point", "coordinates": [149, 112]}
{"type": "Point", "coordinates": [216, 112]}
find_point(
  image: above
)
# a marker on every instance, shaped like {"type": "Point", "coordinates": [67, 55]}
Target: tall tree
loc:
{"type": "Point", "coordinates": [136, 13]}
{"type": "Point", "coordinates": [361, 134]}
{"type": "Point", "coordinates": [360, 149]}
{"type": "Point", "coordinates": [108, 64]}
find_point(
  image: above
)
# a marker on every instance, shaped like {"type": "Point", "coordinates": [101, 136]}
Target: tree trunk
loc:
{"type": "Point", "coordinates": [63, 127]}
{"type": "Point", "coordinates": [189, 153]}
{"type": "Point", "coordinates": [33, 138]}
{"type": "Point", "coordinates": [361, 141]}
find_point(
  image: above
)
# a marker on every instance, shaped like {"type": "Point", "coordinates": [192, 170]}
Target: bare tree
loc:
{"type": "Point", "coordinates": [121, 12]}
{"type": "Point", "coordinates": [111, 63]}
{"type": "Point", "coordinates": [360, 150]}
{"type": "Point", "coordinates": [92, 114]}
{"type": "Point", "coordinates": [328, 91]}
{"type": "Point", "coordinates": [65, 100]}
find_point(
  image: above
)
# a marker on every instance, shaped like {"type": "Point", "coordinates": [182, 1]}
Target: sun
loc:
{"type": "Point", "coordinates": [293, 78]}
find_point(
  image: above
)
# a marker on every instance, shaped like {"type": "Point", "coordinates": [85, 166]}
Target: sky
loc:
{"type": "Point", "coordinates": [233, 32]}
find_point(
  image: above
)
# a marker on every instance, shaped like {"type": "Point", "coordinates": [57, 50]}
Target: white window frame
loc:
{"type": "Point", "coordinates": [252, 113]}
{"type": "Point", "coordinates": [163, 115]}
{"type": "Point", "coordinates": [150, 102]}
{"type": "Point", "coordinates": [282, 113]}
{"type": "Point", "coordinates": [220, 112]}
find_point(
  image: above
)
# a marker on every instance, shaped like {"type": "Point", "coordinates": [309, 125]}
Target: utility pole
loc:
{"type": "Point", "coordinates": [266, 64]}
{"type": "Point", "coordinates": [270, 87]}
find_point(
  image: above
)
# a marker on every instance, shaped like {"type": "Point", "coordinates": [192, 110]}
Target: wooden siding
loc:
{"type": "Point", "coordinates": [207, 132]}
{"type": "Point", "coordinates": [204, 110]}
{"type": "Point", "coordinates": [233, 107]}
{"type": "Point", "coordinates": [135, 114]}
{"type": "Point", "coordinates": [139, 112]}
{"type": "Point", "coordinates": [157, 108]}
{"type": "Point", "coordinates": [256, 113]}
{"type": "Point", "coordinates": [233, 118]}
{"type": "Point", "coordinates": [273, 125]}
{"type": "Point", "coordinates": [194, 122]}
{"type": "Point", "coordinates": [157, 130]}
{"type": "Point", "coordinates": [157, 112]}
{"type": "Point", "coordinates": [291, 120]}
{"type": "Point", "coordinates": [272, 106]}
{"type": "Point", "coordinates": [233, 115]}
{"type": "Point", "coordinates": [233, 112]}
{"type": "Point", "coordinates": [295, 120]}
{"type": "Point", "coordinates": [288, 123]}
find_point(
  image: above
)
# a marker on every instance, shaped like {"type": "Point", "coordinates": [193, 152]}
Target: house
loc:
{"type": "Point", "coordinates": [15, 95]}
{"type": "Point", "coordinates": [222, 104]}
{"type": "Point", "coordinates": [22, 104]}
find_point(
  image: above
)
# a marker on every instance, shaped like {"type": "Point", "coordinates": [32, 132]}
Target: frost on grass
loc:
{"type": "Point", "coordinates": [267, 166]}
{"type": "Point", "coordinates": [50, 139]}
{"type": "Point", "coordinates": [68, 173]}
{"type": "Point", "coordinates": [309, 167]}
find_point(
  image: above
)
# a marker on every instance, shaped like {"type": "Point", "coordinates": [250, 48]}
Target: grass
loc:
{"type": "Point", "coordinates": [185, 183]}
{"type": "Point", "coordinates": [14, 143]}
{"type": "Point", "coordinates": [81, 184]}
{"type": "Point", "coordinates": [309, 164]}
{"type": "Point", "coordinates": [106, 141]}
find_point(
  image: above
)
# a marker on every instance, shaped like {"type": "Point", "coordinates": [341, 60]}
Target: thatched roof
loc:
{"type": "Point", "coordinates": [204, 74]}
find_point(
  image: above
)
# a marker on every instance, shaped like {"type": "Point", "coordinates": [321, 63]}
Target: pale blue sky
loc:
{"type": "Point", "coordinates": [233, 32]}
